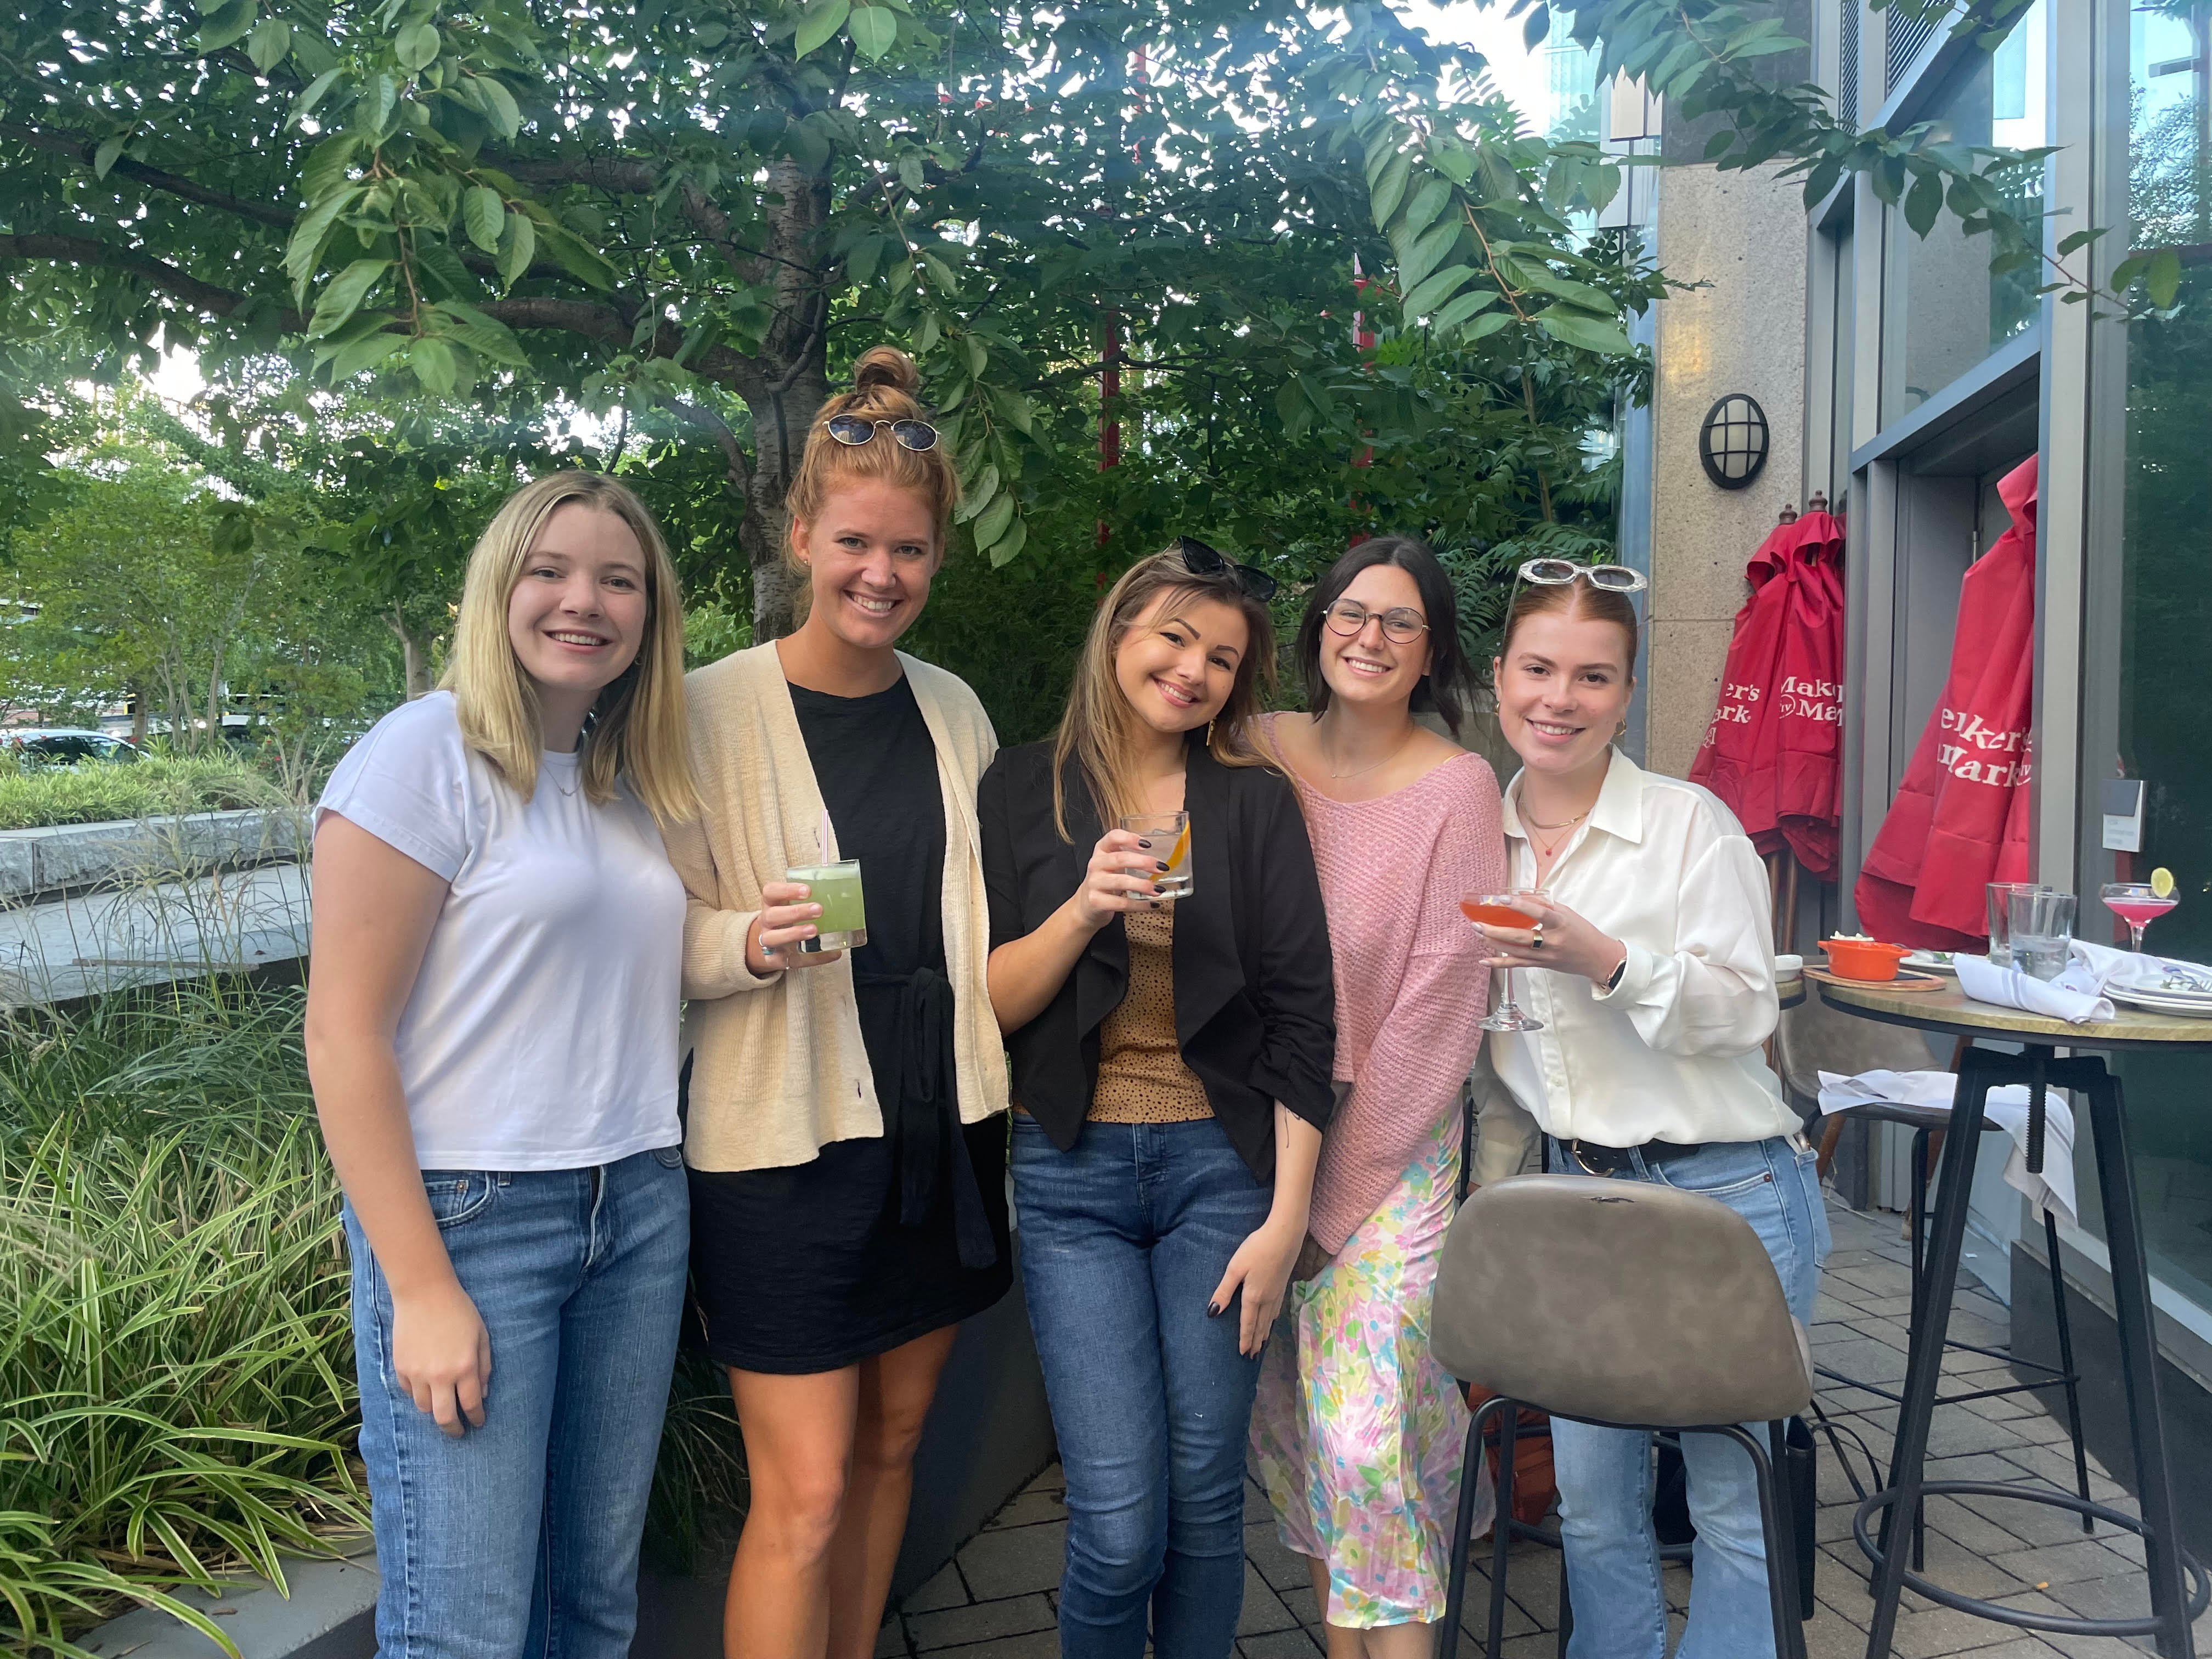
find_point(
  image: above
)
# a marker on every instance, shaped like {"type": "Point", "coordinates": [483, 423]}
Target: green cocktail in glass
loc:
{"type": "Point", "coordinates": [843, 923]}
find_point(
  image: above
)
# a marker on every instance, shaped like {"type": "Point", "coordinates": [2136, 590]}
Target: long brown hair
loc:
{"type": "Point", "coordinates": [637, 730]}
{"type": "Point", "coordinates": [884, 381]}
{"type": "Point", "coordinates": [1096, 729]}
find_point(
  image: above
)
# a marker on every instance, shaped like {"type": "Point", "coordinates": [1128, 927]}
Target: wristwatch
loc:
{"type": "Point", "coordinates": [1613, 979]}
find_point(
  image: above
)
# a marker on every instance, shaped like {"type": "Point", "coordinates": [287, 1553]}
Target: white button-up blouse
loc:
{"type": "Point", "coordinates": [1672, 1052]}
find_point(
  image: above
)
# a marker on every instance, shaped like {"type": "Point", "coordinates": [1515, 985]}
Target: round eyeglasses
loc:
{"type": "Point", "coordinates": [853, 430]}
{"type": "Point", "coordinates": [1553, 573]}
{"type": "Point", "coordinates": [1401, 624]}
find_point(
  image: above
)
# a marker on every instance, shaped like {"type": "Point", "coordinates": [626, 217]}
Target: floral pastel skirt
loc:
{"type": "Point", "coordinates": [1358, 1432]}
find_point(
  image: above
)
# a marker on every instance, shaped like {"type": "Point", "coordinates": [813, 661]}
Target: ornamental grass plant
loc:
{"type": "Point", "coordinates": [177, 1396]}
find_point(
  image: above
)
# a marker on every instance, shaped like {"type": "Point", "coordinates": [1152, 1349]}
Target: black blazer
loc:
{"type": "Point", "coordinates": [1254, 992]}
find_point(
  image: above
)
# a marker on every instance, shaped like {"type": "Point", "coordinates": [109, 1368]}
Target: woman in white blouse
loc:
{"type": "Point", "coordinates": [1655, 997]}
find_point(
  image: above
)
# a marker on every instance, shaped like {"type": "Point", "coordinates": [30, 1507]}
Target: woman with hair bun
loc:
{"type": "Point", "coordinates": [846, 1136]}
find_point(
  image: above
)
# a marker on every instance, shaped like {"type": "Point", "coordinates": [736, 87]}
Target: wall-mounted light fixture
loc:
{"type": "Point", "coordinates": [1732, 442]}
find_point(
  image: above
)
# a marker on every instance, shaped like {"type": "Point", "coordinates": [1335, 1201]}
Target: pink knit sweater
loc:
{"type": "Point", "coordinates": [1410, 982]}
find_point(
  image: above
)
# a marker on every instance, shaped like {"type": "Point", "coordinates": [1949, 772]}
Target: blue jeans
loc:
{"type": "Point", "coordinates": [1124, 1240]}
{"type": "Point", "coordinates": [520, 1540]}
{"type": "Point", "coordinates": [1605, 1475]}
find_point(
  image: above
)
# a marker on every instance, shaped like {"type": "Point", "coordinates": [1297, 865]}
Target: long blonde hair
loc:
{"type": "Point", "coordinates": [884, 381]}
{"type": "Point", "coordinates": [1098, 726]}
{"type": "Point", "coordinates": [636, 731]}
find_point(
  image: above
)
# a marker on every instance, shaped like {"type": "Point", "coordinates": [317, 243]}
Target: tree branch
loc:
{"type": "Point", "coordinates": [82, 150]}
{"type": "Point", "coordinates": [162, 275]}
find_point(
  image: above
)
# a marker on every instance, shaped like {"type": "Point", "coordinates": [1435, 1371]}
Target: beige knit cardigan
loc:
{"type": "Point", "coordinates": [778, 1069]}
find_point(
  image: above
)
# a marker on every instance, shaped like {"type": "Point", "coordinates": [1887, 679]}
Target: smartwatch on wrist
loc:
{"type": "Point", "coordinates": [1613, 979]}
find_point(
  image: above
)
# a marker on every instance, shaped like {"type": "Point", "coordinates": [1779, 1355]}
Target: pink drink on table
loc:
{"type": "Point", "coordinates": [2134, 903]}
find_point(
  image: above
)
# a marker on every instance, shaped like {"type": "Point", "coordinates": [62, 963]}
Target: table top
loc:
{"type": "Point", "coordinates": [1951, 1010]}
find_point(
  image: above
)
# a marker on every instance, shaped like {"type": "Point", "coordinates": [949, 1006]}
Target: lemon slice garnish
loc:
{"type": "Point", "coordinates": [2161, 882]}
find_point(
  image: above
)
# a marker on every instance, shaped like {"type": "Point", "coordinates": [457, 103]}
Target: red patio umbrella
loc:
{"type": "Point", "coordinates": [1736, 760]}
{"type": "Point", "coordinates": [1960, 820]}
{"type": "Point", "coordinates": [1808, 710]}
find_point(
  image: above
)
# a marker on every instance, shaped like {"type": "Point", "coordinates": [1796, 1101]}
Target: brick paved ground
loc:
{"type": "Point", "coordinates": [995, 1601]}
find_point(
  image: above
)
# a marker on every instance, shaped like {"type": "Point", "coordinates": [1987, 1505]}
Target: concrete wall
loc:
{"type": "Point", "coordinates": [1742, 235]}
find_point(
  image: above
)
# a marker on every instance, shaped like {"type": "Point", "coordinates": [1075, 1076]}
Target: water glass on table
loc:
{"type": "Point", "coordinates": [2041, 922]}
{"type": "Point", "coordinates": [2000, 898]}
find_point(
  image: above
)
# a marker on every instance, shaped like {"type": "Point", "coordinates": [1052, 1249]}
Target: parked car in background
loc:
{"type": "Point", "coordinates": [56, 745]}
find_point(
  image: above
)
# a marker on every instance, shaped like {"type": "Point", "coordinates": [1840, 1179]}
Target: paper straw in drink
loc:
{"type": "Point", "coordinates": [843, 923]}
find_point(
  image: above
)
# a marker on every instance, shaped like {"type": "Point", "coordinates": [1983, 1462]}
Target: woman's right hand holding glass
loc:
{"type": "Point", "coordinates": [785, 918]}
{"type": "Point", "coordinates": [1123, 874]}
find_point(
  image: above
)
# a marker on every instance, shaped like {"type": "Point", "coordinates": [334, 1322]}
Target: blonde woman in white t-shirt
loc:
{"type": "Point", "coordinates": [491, 1035]}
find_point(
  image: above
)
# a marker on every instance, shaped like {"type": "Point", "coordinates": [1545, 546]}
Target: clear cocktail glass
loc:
{"type": "Point", "coordinates": [1169, 831]}
{"type": "Point", "coordinates": [2137, 904]}
{"type": "Point", "coordinates": [1499, 910]}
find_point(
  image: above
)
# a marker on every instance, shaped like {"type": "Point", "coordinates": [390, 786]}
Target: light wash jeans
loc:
{"type": "Point", "coordinates": [1123, 1240]}
{"type": "Point", "coordinates": [1605, 1475]}
{"type": "Point", "coordinates": [520, 1540]}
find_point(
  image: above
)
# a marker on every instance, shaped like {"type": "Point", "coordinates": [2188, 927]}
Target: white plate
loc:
{"type": "Point", "coordinates": [1929, 964]}
{"type": "Point", "coordinates": [2156, 1004]}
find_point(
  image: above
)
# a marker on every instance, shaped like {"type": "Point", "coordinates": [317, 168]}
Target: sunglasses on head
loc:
{"type": "Point", "coordinates": [853, 430]}
{"type": "Point", "coordinates": [1556, 572]}
{"type": "Point", "coordinates": [1203, 561]}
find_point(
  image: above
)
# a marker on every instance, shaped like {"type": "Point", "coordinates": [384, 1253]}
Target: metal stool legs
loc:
{"type": "Point", "coordinates": [1769, 1468]}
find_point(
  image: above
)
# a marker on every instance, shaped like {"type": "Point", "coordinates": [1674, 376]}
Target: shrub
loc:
{"type": "Point", "coordinates": [98, 792]}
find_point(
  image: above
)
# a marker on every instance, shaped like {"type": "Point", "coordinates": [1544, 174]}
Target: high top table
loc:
{"type": "Point", "coordinates": [1954, 1014]}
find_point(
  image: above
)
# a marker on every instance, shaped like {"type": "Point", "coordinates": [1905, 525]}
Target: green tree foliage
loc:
{"type": "Point", "coordinates": [693, 209]}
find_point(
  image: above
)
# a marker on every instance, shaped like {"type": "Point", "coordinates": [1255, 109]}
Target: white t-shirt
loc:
{"type": "Point", "coordinates": [541, 1032]}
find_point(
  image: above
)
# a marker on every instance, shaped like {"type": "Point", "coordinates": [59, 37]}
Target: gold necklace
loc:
{"type": "Point", "coordinates": [1336, 776]}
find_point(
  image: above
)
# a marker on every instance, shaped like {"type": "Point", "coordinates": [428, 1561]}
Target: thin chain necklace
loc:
{"type": "Point", "coordinates": [1336, 776]}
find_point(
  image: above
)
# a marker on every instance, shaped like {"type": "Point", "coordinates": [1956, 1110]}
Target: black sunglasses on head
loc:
{"type": "Point", "coordinates": [1203, 561]}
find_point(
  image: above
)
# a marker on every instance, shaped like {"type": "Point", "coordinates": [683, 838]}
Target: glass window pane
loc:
{"type": "Point", "coordinates": [2165, 614]}
{"type": "Point", "coordinates": [1947, 310]}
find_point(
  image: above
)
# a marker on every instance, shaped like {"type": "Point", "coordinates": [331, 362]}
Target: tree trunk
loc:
{"type": "Point", "coordinates": [794, 353]}
{"type": "Point", "coordinates": [134, 695]}
{"type": "Point", "coordinates": [412, 655]}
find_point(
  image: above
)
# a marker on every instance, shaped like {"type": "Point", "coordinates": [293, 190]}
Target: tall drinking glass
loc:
{"type": "Point", "coordinates": [1499, 911]}
{"type": "Point", "coordinates": [2042, 926]}
{"type": "Point", "coordinates": [2000, 898]}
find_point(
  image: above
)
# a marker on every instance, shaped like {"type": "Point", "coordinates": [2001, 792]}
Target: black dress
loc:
{"type": "Point", "coordinates": [877, 1240]}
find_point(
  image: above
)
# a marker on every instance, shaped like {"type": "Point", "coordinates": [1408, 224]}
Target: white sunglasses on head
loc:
{"type": "Point", "coordinates": [1556, 572]}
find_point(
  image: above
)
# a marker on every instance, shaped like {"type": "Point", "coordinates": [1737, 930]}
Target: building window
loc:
{"type": "Point", "coordinates": [1945, 311]}
{"type": "Point", "coordinates": [2156, 574]}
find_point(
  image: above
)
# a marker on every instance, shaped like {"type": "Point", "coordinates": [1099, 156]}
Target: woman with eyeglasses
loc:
{"type": "Point", "coordinates": [1644, 1063]}
{"type": "Point", "coordinates": [1171, 1069]}
{"type": "Point", "coordinates": [845, 1138]}
{"type": "Point", "coordinates": [1357, 1433]}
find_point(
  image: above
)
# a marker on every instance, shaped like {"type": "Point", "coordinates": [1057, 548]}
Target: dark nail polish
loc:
{"type": "Point", "coordinates": [1147, 845]}
{"type": "Point", "coordinates": [1213, 1310]}
{"type": "Point", "coordinates": [1162, 863]}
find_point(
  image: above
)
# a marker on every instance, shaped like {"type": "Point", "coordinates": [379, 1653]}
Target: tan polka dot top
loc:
{"type": "Point", "coordinates": [1141, 1076]}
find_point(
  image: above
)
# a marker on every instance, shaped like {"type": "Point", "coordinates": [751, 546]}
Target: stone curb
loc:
{"type": "Point", "coordinates": [330, 1614]}
{"type": "Point", "coordinates": [62, 858]}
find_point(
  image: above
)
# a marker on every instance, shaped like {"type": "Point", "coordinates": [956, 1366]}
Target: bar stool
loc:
{"type": "Point", "coordinates": [1926, 1121]}
{"type": "Point", "coordinates": [1677, 1321]}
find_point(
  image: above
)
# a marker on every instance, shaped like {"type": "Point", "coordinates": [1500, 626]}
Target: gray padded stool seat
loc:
{"type": "Point", "coordinates": [1626, 1304]}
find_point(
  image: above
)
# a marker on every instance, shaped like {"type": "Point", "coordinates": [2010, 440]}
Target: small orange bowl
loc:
{"type": "Point", "coordinates": [1865, 959]}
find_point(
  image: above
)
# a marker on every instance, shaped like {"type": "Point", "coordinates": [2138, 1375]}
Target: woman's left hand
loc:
{"type": "Point", "coordinates": [1570, 944]}
{"type": "Point", "coordinates": [1262, 1267]}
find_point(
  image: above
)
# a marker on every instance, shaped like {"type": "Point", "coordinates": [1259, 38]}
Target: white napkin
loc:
{"type": "Point", "coordinates": [2008, 1107]}
{"type": "Point", "coordinates": [2129, 969]}
{"type": "Point", "coordinates": [2076, 996]}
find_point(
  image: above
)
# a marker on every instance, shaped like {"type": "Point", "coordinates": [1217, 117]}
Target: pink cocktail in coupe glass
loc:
{"type": "Point", "coordinates": [2134, 903]}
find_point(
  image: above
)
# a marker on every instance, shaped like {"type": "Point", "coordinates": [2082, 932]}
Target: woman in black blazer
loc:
{"type": "Point", "coordinates": [1171, 1064]}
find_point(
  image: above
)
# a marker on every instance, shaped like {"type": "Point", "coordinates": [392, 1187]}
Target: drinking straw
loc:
{"type": "Point", "coordinates": [821, 834]}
